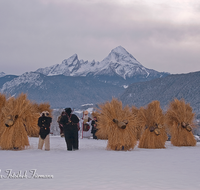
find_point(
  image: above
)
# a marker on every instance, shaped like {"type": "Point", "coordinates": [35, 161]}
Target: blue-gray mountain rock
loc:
{"type": "Point", "coordinates": [2, 74]}
{"type": "Point", "coordinates": [75, 82]}
{"type": "Point", "coordinates": [165, 89]}
{"type": "Point", "coordinates": [119, 68]}
{"type": "Point", "coordinates": [61, 91]}
{"type": "Point", "coordinates": [6, 78]}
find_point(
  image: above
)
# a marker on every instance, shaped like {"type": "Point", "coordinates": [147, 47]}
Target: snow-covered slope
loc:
{"type": "Point", "coordinates": [118, 62]}
{"type": "Point", "coordinates": [180, 86]}
{"type": "Point", "coordinates": [61, 90]}
{"type": "Point", "coordinates": [28, 78]}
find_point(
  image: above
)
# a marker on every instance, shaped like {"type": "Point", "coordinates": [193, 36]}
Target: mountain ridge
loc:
{"type": "Point", "coordinates": [118, 62]}
{"type": "Point", "coordinates": [165, 90]}
{"type": "Point", "coordinates": [81, 80]}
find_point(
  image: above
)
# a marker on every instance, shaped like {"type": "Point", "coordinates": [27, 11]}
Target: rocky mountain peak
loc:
{"type": "Point", "coordinates": [120, 51]}
{"type": "Point", "coordinates": [121, 56]}
{"type": "Point", "coordinates": [71, 61]}
{"type": "Point", "coordinates": [119, 62]}
{"type": "Point", "coordinates": [2, 74]}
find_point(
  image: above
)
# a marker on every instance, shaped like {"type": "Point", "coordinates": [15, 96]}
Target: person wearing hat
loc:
{"type": "Point", "coordinates": [44, 123]}
{"type": "Point", "coordinates": [70, 123]}
{"type": "Point", "coordinates": [86, 126]}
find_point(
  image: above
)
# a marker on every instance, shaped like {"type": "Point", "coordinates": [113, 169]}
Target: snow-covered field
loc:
{"type": "Point", "coordinates": [94, 167]}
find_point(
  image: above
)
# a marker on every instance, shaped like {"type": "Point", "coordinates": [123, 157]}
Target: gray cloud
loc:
{"type": "Point", "coordinates": [162, 36]}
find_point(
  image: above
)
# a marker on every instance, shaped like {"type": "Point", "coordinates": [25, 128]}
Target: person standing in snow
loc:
{"type": "Point", "coordinates": [60, 126]}
{"type": "Point", "coordinates": [94, 127]}
{"type": "Point", "coordinates": [70, 123]}
{"type": "Point", "coordinates": [86, 119]}
{"type": "Point", "coordinates": [85, 125]}
{"type": "Point", "coordinates": [44, 123]}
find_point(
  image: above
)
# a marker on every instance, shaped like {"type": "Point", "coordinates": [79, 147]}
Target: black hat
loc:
{"type": "Point", "coordinates": [68, 111]}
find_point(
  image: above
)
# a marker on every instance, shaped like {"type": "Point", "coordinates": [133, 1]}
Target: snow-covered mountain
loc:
{"type": "Point", "coordinates": [28, 78]}
{"type": "Point", "coordinates": [75, 82]}
{"type": "Point", "coordinates": [2, 74]}
{"type": "Point", "coordinates": [119, 62]}
{"type": "Point", "coordinates": [165, 89]}
{"type": "Point", "coordinates": [61, 91]}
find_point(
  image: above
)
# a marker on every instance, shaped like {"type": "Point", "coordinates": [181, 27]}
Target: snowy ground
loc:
{"type": "Point", "coordinates": [94, 167]}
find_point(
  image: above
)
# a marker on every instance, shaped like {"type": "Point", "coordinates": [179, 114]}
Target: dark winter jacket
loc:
{"type": "Point", "coordinates": [69, 122]}
{"type": "Point", "coordinates": [70, 125]}
{"type": "Point", "coordinates": [94, 126]}
{"type": "Point", "coordinates": [94, 129]}
{"type": "Point", "coordinates": [44, 124]}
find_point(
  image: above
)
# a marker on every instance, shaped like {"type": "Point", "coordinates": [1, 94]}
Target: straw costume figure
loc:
{"type": "Point", "coordinates": [18, 116]}
{"type": "Point", "coordinates": [139, 127]}
{"type": "Point", "coordinates": [154, 135]}
{"type": "Point", "coordinates": [101, 133]}
{"type": "Point", "coordinates": [118, 124]}
{"type": "Point", "coordinates": [2, 104]}
{"type": "Point", "coordinates": [179, 120]}
{"type": "Point", "coordinates": [39, 108]}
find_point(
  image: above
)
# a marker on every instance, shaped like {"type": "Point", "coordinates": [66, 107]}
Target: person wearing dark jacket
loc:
{"type": "Point", "coordinates": [94, 127]}
{"type": "Point", "coordinates": [70, 123]}
{"type": "Point", "coordinates": [60, 126]}
{"type": "Point", "coordinates": [44, 123]}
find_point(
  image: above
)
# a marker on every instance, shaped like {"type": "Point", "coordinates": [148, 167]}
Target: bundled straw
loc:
{"type": "Point", "coordinates": [95, 114]}
{"type": "Point", "coordinates": [37, 109]}
{"type": "Point", "coordinates": [2, 104]}
{"type": "Point", "coordinates": [14, 135]}
{"type": "Point", "coordinates": [2, 100]}
{"type": "Point", "coordinates": [139, 126]}
{"type": "Point", "coordinates": [19, 120]}
{"type": "Point", "coordinates": [180, 122]}
{"type": "Point", "coordinates": [102, 132]}
{"type": "Point", "coordinates": [118, 124]}
{"type": "Point", "coordinates": [155, 134]}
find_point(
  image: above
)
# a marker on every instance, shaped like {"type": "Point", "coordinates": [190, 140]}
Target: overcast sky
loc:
{"type": "Point", "coordinates": [163, 35]}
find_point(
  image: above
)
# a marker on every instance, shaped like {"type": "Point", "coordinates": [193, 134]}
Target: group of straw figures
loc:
{"type": "Point", "coordinates": [18, 120]}
{"type": "Point", "coordinates": [122, 126]}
